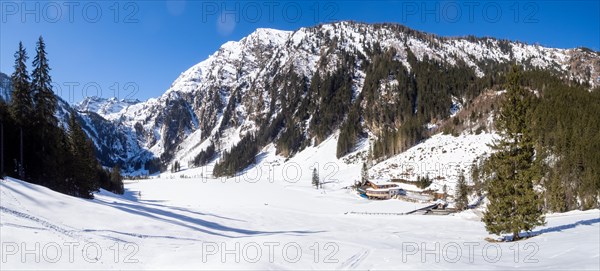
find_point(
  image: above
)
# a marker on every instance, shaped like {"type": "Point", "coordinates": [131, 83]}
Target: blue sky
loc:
{"type": "Point", "coordinates": [137, 49]}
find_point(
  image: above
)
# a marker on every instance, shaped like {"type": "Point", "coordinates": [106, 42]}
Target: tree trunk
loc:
{"type": "Point", "coordinates": [515, 236]}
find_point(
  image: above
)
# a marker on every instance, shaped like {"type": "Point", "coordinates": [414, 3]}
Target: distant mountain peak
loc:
{"type": "Point", "coordinates": [5, 87]}
{"type": "Point", "coordinates": [108, 108]}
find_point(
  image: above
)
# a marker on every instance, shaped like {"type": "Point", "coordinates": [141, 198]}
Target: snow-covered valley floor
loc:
{"type": "Point", "coordinates": [209, 224]}
{"type": "Point", "coordinates": [271, 217]}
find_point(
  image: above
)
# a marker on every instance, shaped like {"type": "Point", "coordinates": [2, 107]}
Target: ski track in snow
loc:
{"type": "Point", "coordinates": [45, 224]}
{"type": "Point", "coordinates": [353, 262]}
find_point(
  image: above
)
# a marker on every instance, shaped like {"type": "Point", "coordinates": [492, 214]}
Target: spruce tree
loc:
{"type": "Point", "coordinates": [514, 205]}
{"type": "Point", "coordinates": [364, 174]}
{"type": "Point", "coordinates": [315, 178]}
{"type": "Point", "coordinates": [47, 130]}
{"type": "Point", "coordinates": [462, 192]}
{"type": "Point", "coordinates": [21, 106]}
{"type": "Point", "coordinates": [43, 97]}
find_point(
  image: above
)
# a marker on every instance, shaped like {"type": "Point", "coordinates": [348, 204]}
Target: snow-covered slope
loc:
{"type": "Point", "coordinates": [189, 223]}
{"type": "Point", "coordinates": [442, 158]}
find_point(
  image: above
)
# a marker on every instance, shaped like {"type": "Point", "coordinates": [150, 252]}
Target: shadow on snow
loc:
{"type": "Point", "coordinates": [587, 222]}
{"type": "Point", "coordinates": [193, 223]}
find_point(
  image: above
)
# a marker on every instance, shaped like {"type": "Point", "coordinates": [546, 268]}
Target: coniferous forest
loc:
{"type": "Point", "coordinates": [36, 147]}
{"type": "Point", "coordinates": [546, 160]}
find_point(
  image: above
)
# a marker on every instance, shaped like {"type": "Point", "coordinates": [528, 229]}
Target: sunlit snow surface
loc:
{"type": "Point", "coordinates": [187, 221]}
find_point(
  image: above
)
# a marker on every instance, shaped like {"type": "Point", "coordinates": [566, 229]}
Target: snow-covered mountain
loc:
{"type": "Point", "coordinates": [245, 84]}
{"type": "Point", "coordinates": [115, 144]}
{"type": "Point", "coordinates": [5, 87]}
{"type": "Point", "coordinates": [107, 108]}
{"type": "Point", "coordinates": [293, 89]}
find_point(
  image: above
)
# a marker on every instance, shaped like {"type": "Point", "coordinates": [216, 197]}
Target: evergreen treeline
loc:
{"type": "Point", "coordinates": [423, 182]}
{"type": "Point", "coordinates": [566, 129]}
{"type": "Point", "coordinates": [35, 148]}
{"type": "Point", "coordinates": [205, 156]}
{"type": "Point", "coordinates": [239, 157]}
{"type": "Point", "coordinates": [399, 102]}
{"type": "Point", "coordinates": [292, 122]}
{"type": "Point", "coordinates": [332, 99]}
{"type": "Point", "coordinates": [351, 130]}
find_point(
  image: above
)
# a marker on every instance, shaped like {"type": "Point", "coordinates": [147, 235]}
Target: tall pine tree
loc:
{"type": "Point", "coordinates": [44, 119]}
{"type": "Point", "coordinates": [514, 205]}
{"type": "Point", "coordinates": [315, 178]}
{"type": "Point", "coordinates": [364, 174]}
{"type": "Point", "coordinates": [21, 106]}
{"type": "Point", "coordinates": [462, 193]}
{"type": "Point", "coordinates": [44, 99]}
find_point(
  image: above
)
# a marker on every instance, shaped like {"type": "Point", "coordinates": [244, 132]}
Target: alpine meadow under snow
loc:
{"type": "Point", "coordinates": [339, 146]}
{"type": "Point", "coordinates": [186, 224]}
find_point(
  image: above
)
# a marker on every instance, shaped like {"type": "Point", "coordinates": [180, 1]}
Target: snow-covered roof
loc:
{"type": "Point", "coordinates": [381, 181]}
{"type": "Point", "coordinates": [383, 189]}
{"type": "Point", "coordinates": [440, 201]}
{"type": "Point", "coordinates": [378, 190]}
